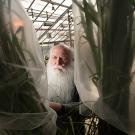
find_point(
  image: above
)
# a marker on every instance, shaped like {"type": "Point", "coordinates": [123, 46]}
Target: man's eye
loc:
{"type": "Point", "coordinates": [65, 60]}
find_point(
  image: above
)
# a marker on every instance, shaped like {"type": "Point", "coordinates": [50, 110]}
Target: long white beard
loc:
{"type": "Point", "coordinates": [60, 84]}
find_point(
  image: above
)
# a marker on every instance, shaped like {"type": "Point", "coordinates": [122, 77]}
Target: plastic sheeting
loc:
{"type": "Point", "coordinates": [14, 16]}
{"type": "Point", "coordinates": [91, 95]}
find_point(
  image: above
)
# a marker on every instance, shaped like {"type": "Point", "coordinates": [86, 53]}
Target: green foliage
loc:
{"type": "Point", "coordinates": [114, 52]}
{"type": "Point", "coordinates": [18, 93]}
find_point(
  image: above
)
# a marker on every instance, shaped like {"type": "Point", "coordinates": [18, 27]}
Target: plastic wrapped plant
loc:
{"type": "Point", "coordinates": [108, 29]}
{"type": "Point", "coordinates": [21, 109]}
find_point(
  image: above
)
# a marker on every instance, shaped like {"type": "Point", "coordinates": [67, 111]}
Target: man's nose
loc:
{"type": "Point", "coordinates": [59, 61]}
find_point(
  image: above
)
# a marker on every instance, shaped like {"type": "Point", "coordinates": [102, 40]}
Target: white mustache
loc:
{"type": "Point", "coordinates": [58, 67]}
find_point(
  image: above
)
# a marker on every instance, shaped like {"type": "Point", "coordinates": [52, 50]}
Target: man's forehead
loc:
{"type": "Point", "coordinates": [60, 50]}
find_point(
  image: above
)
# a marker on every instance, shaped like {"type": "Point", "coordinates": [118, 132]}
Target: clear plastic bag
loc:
{"type": "Point", "coordinates": [116, 110]}
{"type": "Point", "coordinates": [23, 82]}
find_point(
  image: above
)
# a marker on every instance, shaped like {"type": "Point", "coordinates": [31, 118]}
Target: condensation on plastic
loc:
{"type": "Point", "coordinates": [91, 96]}
{"type": "Point", "coordinates": [28, 121]}
{"type": "Point", "coordinates": [132, 91]}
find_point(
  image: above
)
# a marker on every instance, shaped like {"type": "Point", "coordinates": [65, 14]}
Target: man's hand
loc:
{"type": "Point", "coordinates": [55, 106]}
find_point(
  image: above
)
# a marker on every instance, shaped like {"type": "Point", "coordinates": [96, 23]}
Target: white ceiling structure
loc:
{"type": "Point", "coordinates": [52, 19]}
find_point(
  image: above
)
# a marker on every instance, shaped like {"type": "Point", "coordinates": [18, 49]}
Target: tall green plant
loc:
{"type": "Point", "coordinates": [113, 56]}
{"type": "Point", "coordinates": [18, 93]}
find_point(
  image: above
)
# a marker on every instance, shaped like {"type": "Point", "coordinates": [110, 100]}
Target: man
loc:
{"type": "Point", "coordinates": [61, 89]}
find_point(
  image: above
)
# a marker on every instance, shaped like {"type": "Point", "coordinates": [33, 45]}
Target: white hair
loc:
{"type": "Point", "coordinates": [65, 47]}
{"type": "Point", "coordinates": [61, 84]}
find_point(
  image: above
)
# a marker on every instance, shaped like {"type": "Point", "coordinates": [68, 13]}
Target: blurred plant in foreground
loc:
{"type": "Point", "coordinates": [20, 103]}
{"type": "Point", "coordinates": [112, 47]}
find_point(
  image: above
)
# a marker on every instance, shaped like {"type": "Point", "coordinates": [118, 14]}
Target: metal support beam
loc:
{"type": "Point", "coordinates": [54, 3]}
{"type": "Point", "coordinates": [54, 22]}
{"type": "Point", "coordinates": [51, 14]}
{"type": "Point", "coordinates": [55, 29]}
{"type": "Point", "coordinates": [54, 42]}
{"type": "Point", "coordinates": [40, 12]}
{"type": "Point", "coordinates": [30, 5]}
{"type": "Point", "coordinates": [69, 25]}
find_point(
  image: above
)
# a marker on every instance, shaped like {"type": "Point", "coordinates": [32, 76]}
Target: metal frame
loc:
{"type": "Point", "coordinates": [40, 16]}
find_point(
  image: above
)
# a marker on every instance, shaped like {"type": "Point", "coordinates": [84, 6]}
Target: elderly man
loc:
{"type": "Point", "coordinates": [60, 75]}
{"type": "Point", "coordinates": [61, 89]}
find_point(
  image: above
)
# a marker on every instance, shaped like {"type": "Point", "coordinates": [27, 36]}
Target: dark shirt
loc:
{"type": "Point", "coordinates": [69, 120]}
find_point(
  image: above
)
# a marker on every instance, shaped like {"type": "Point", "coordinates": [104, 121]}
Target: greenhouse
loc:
{"type": "Point", "coordinates": [67, 67]}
